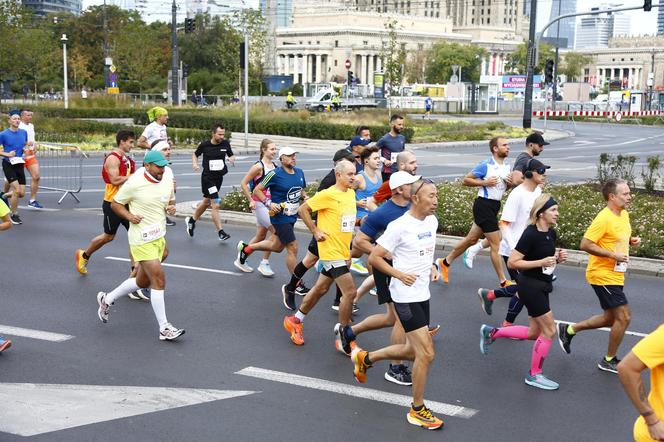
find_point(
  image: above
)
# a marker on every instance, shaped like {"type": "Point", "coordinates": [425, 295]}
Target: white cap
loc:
{"type": "Point", "coordinates": [286, 151]}
{"type": "Point", "coordinates": [398, 179]}
{"type": "Point", "coordinates": [163, 144]}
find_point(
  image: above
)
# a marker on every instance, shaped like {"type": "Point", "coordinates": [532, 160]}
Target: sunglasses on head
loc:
{"type": "Point", "coordinates": [424, 181]}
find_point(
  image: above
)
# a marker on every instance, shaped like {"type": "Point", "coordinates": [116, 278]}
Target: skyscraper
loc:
{"type": "Point", "coordinates": [44, 7]}
{"type": "Point", "coordinates": [660, 18]}
{"type": "Point", "coordinates": [594, 31]}
{"type": "Point", "coordinates": [567, 25]}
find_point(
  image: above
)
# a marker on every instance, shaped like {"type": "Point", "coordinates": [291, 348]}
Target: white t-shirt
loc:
{"type": "Point", "coordinates": [154, 132]}
{"type": "Point", "coordinates": [487, 169]}
{"type": "Point", "coordinates": [29, 128]}
{"type": "Point", "coordinates": [412, 244]}
{"type": "Point", "coordinates": [516, 211]}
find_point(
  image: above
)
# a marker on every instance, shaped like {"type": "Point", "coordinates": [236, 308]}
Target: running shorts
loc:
{"type": "Point", "coordinates": [285, 232]}
{"type": "Point", "coordinates": [485, 214]}
{"type": "Point", "coordinates": [313, 247]}
{"type": "Point", "coordinates": [382, 285]}
{"type": "Point", "coordinates": [14, 172]}
{"type": "Point", "coordinates": [211, 185]}
{"type": "Point", "coordinates": [610, 296]}
{"type": "Point", "coordinates": [413, 315]}
{"type": "Point", "coordinates": [149, 251]}
{"type": "Point", "coordinates": [514, 274]}
{"type": "Point", "coordinates": [111, 220]}
{"type": "Point", "coordinates": [31, 160]}
{"type": "Point", "coordinates": [534, 293]}
{"type": "Point", "coordinates": [334, 269]}
{"type": "Point", "coordinates": [262, 214]}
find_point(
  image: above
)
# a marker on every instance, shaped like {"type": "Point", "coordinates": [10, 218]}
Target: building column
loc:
{"type": "Point", "coordinates": [280, 65]}
{"type": "Point", "coordinates": [318, 68]}
{"type": "Point", "coordinates": [370, 69]}
{"type": "Point", "coordinates": [287, 64]}
{"type": "Point", "coordinates": [598, 78]}
{"type": "Point", "coordinates": [305, 68]}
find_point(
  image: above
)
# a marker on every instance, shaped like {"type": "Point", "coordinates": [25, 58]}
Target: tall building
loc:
{"type": "Point", "coordinates": [594, 31]}
{"type": "Point", "coordinates": [660, 18]}
{"type": "Point", "coordinates": [277, 11]}
{"type": "Point", "coordinates": [567, 25]}
{"type": "Point", "coordinates": [44, 7]}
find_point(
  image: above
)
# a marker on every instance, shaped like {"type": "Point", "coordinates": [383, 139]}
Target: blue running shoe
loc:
{"type": "Point", "coordinates": [485, 338]}
{"type": "Point", "coordinates": [35, 205]}
{"type": "Point", "coordinates": [541, 381]}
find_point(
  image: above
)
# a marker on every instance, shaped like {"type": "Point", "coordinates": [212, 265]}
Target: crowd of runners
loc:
{"type": "Point", "coordinates": [374, 216]}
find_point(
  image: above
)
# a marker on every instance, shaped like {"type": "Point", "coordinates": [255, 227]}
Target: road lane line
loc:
{"type": "Point", "coordinates": [179, 266]}
{"type": "Point", "coordinates": [351, 390]}
{"type": "Point", "coordinates": [33, 334]}
{"type": "Point", "coordinates": [606, 329]}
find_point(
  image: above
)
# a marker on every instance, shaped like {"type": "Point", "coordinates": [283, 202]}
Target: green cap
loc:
{"type": "Point", "coordinates": [155, 157]}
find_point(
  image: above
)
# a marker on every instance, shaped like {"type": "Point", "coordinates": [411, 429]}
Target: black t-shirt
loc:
{"type": "Point", "coordinates": [521, 161]}
{"type": "Point", "coordinates": [216, 153]}
{"type": "Point", "coordinates": [536, 245]}
{"type": "Point", "coordinates": [329, 181]}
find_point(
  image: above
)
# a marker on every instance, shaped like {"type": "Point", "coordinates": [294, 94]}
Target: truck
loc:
{"type": "Point", "coordinates": [323, 100]}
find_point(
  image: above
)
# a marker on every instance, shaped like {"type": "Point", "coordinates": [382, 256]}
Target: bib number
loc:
{"type": "Point", "coordinates": [347, 223]}
{"type": "Point", "coordinates": [393, 157]}
{"type": "Point", "coordinates": [548, 270]}
{"type": "Point", "coordinates": [216, 165]}
{"type": "Point", "coordinates": [620, 267]}
{"type": "Point", "coordinates": [152, 232]}
{"type": "Point", "coordinates": [291, 209]}
{"type": "Point", "coordinates": [16, 160]}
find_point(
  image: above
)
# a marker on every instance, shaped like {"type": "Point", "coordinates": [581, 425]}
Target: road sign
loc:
{"type": "Point", "coordinates": [454, 79]}
{"type": "Point", "coordinates": [347, 64]}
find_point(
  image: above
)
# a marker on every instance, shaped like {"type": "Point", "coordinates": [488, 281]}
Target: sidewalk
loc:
{"type": "Point", "coordinates": [576, 258]}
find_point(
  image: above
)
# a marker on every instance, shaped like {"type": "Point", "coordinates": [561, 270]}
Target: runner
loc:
{"type": "Point", "coordinates": [360, 140]}
{"type": "Point", "coordinates": [335, 207]}
{"type": "Point", "coordinates": [406, 161]}
{"type": "Point", "coordinates": [149, 195]}
{"type": "Point", "coordinates": [13, 141]}
{"type": "Point", "coordinates": [411, 241]}
{"type": "Point", "coordinates": [6, 224]}
{"type": "Point", "coordinates": [115, 171]}
{"type": "Point", "coordinates": [607, 241]}
{"type": "Point", "coordinates": [286, 185]}
{"type": "Point", "coordinates": [165, 147]}
{"type": "Point", "coordinates": [492, 176]}
{"type": "Point", "coordinates": [31, 162]}
{"type": "Point", "coordinates": [513, 221]}
{"type": "Point", "coordinates": [391, 145]}
{"type": "Point", "coordinates": [428, 105]}
{"type": "Point", "coordinates": [156, 130]}
{"type": "Point", "coordinates": [215, 152]}
{"type": "Point", "coordinates": [368, 182]}
{"type": "Point", "coordinates": [648, 353]}
{"type": "Point", "coordinates": [535, 257]}
{"type": "Point", "coordinates": [265, 164]}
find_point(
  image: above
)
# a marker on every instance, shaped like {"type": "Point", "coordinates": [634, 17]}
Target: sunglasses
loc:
{"type": "Point", "coordinates": [424, 181]}
{"type": "Point", "coordinates": [541, 170]}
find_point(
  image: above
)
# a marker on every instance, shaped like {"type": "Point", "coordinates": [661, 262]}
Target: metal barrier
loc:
{"type": "Point", "coordinates": [61, 167]}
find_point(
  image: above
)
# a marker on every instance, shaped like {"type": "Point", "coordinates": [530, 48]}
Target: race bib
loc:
{"type": "Point", "coordinates": [16, 160]}
{"type": "Point", "coordinates": [620, 267]}
{"type": "Point", "coordinates": [548, 270]}
{"type": "Point", "coordinates": [152, 232]}
{"type": "Point", "coordinates": [393, 156]}
{"type": "Point", "coordinates": [347, 223]}
{"type": "Point", "coordinates": [216, 165]}
{"type": "Point", "coordinates": [212, 190]}
{"type": "Point", "coordinates": [290, 209]}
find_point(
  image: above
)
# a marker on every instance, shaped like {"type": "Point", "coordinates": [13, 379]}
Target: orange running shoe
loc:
{"type": "Point", "coordinates": [507, 283]}
{"type": "Point", "coordinates": [424, 418]}
{"type": "Point", "coordinates": [294, 327]}
{"type": "Point", "coordinates": [337, 345]}
{"type": "Point", "coordinates": [81, 262]}
{"type": "Point", "coordinates": [360, 372]}
{"type": "Point", "coordinates": [443, 270]}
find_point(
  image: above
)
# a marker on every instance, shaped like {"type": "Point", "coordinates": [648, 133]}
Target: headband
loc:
{"type": "Point", "coordinates": [549, 203]}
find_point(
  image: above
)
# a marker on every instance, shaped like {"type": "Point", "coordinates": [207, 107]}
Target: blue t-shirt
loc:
{"type": "Point", "coordinates": [377, 221]}
{"type": "Point", "coordinates": [390, 147]}
{"type": "Point", "coordinates": [13, 141]}
{"type": "Point", "coordinates": [285, 188]}
{"type": "Point", "coordinates": [428, 102]}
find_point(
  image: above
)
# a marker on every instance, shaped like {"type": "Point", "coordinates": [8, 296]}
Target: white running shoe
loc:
{"type": "Point", "coordinates": [104, 308]}
{"type": "Point", "coordinates": [470, 254]}
{"type": "Point", "coordinates": [170, 333]}
{"type": "Point", "coordinates": [265, 269]}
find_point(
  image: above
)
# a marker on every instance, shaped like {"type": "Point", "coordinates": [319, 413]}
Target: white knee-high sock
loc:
{"type": "Point", "coordinates": [128, 286]}
{"type": "Point", "coordinates": [159, 307]}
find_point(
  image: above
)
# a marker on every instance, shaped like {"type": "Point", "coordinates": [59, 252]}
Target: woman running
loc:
{"type": "Point", "coordinates": [254, 176]}
{"type": "Point", "coordinates": [535, 257]}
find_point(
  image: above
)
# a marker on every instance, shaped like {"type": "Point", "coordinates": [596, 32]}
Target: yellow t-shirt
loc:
{"type": "Point", "coordinates": [149, 200]}
{"type": "Point", "coordinates": [4, 210]}
{"type": "Point", "coordinates": [650, 350]}
{"type": "Point", "coordinates": [336, 217]}
{"type": "Point", "coordinates": [610, 232]}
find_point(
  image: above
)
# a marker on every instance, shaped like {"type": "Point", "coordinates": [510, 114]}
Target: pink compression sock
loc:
{"type": "Point", "coordinates": [540, 351]}
{"type": "Point", "coordinates": [514, 332]}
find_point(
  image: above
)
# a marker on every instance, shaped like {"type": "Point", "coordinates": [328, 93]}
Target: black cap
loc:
{"type": "Point", "coordinates": [343, 154]}
{"type": "Point", "coordinates": [536, 164]}
{"type": "Point", "coordinates": [537, 139]}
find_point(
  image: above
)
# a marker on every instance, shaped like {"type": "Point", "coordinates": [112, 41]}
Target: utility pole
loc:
{"type": "Point", "coordinates": [555, 62]}
{"type": "Point", "coordinates": [528, 99]}
{"type": "Point", "coordinates": [651, 78]}
{"type": "Point", "coordinates": [246, 84]}
{"type": "Point", "coordinates": [106, 64]}
{"type": "Point", "coordinates": [175, 87]}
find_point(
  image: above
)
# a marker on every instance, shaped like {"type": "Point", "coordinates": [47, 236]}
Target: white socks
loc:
{"type": "Point", "coordinates": [159, 307]}
{"type": "Point", "coordinates": [123, 289]}
{"type": "Point", "coordinates": [299, 315]}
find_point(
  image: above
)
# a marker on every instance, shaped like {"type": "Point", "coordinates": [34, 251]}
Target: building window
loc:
{"type": "Point", "coordinates": [365, 42]}
{"type": "Point", "coordinates": [335, 63]}
{"type": "Point", "coordinates": [472, 21]}
{"type": "Point", "coordinates": [336, 43]}
{"type": "Point", "coordinates": [488, 20]}
{"type": "Point", "coordinates": [426, 13]}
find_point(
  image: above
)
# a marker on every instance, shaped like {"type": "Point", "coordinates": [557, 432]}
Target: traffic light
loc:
{"type": "Point", "coordinates": [189, 25]}
{"type": "Point", "coordinates": [548, 72]}
{"type": "Point", "coordinates": [350, 78]}
{"type": "Point", "coordinates": [185, 70]}
{"type": "Point", "coordinates": [242, 55]}
{"type": "Point", "coordinates": [647, 5]}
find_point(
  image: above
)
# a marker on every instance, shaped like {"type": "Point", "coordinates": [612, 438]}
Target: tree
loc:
{"type": "Point", "coordinates": [78, 68]}
{"type": "Point", "coordinates": [393, 55]}
{"type": "Point", "coordinates": [443, 55]}
{"type": "Point", "coordinates": [516, 61]}
{"type": "Point", "coordinates": [416, 67]}
{"type": "Point", "coordinates": [37, 57]}
{"type": "Point", "coordinates": [573, 65]}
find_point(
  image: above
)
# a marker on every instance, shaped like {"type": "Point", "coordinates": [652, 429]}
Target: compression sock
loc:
{"type": "Point", "coordinates": [515, 332]}
{"type": "Point", "coordinates": [513, 309]}
{"type": "Point", "coordinates": [128, 286]}
{"type": "Point", "coordinates": [159, 307]}
{"type": "Point", "coordinates": [298, 274]}
{"type": "Point", "coordinates": [540, 351]}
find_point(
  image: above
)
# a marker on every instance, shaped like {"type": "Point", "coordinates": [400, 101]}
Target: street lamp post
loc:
{"type": "Point", "coordinates": [64, 57]}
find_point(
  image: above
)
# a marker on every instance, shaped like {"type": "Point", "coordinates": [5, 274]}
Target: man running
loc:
{"type": "Point", "coordinates": [607, 241]}
{"type": "Point", "coordinates": [286, 185]}
{"type": "Point", "coordinates": [215, 153]}
{"type": "Point", "coordinates": [391, 145]}
{"type": "Point", "coordinates": [156, 130]}
{"type": "Point", "coordinates": [5, 224]}
{"type": "Point", "coordinates": [13, 141]}
{"type": "Point", "coordinates": [31, 162]}
{"type": "Point", "coordinates": [493, 177]}
{"type": "Point", "coordinates": [534, 146]}
{"type": "Point", "coordinates": [407, 162]}
{"type": "Point", "coordinates": [360, 140]}
{"type": "Point", "coordinates": [115, 171]}
{"type": "Point", "coordinates": [335, 207]}
{"type": "Point", "coordinates": [411, 242]}
{"type": "Point", "coordinates": [149, 196]}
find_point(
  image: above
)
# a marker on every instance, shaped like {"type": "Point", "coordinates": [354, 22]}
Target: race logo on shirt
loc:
{"type": "Point", "coordinates": [293, 195]}
{"type": "Point", "coordinates": [424, 235]}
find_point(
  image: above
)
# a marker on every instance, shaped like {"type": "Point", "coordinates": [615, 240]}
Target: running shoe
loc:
{"type": "Point", "coordinates": [469, 256]}
{"type": "Point", "coordinates": [356, 308]}
{"type": "Point", "coordinates": [357, 355]}
{"type": "Point", "coordinates": [373, 292]}
{"type": "Point", "coordinates": [424, 418]}
{"type": "Point", "coordinates": [288, 297]}
{"type": "Point", "coordinates": [139, 295]}
{"type": "Point", "coordinates": [541, 381]}
{"type": "Point", "coordinates": [15, 219]}
{"type": "Point", "coordinates": [335, 306]}
{"type": "Point", "coordinates": [358, 267]}
{"type": "Point", "coordinates": [35, 205]}
{"type": "Point", "coordinates": [294, 327]}
{"type": "Point", "coordinates": [611, 366]}
{"type": "Point", "coordinates": [4, 344]}
{"type": "Point", "coordinates": [507, 283]}
{"type": "Point", "coordinates": [223, 236]}
{"type": "Point", "coordinates": [190, 225]}
{"type": "Point", "coordinates": [242, 258]}
{"type": "Point", "coordinates": [265, 269]}
{"type": "Point", "coordinates": [104, 308]}
{"type": "Point", "coordinates": [302, 289]}
{"type": "Point", "coordinates": [485, 338]}
{"type": "Point", "coordinates": [485, 302]}
{"type": "Point", "coordinates": [81, 263]}
{"type": "Point", "coordinates": [443, 270]}
{"type": "Point", "coordinates": [564, 338]}
{"type": "Point", "coordinates": [342, 341]}
{"type": "Point", "coordinates": [434, 329]}
{"type": "Point", "coordinates": [399, 374]}
{"type": "Point", "coordinates": [170, 223]}
{"type": "Point", "coordinates": [170, 333]}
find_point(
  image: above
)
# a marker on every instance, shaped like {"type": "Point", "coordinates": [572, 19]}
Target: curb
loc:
{"type": "Point", "coordinates": [549, 135]}
{"type": "Point", "coordinates": [576, 258]}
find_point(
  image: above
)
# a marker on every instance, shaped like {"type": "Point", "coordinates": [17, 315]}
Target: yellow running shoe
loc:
{"type": "Point", "coordinates": [424, 418]}
{"type": "Point", "coordinates": [81, 262]}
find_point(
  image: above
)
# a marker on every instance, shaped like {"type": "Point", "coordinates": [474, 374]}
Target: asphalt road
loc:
{"type": "Point", "coordinates": [233, 322]}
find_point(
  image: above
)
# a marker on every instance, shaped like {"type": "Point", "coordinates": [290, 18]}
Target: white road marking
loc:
{"type": "Point", "coordinates": [178, 266]}
{"type": "Point", "coordinates": [31, 409]}
{"type": "Point", "coordinates": [351, 390]}
{"type": "Point", "coordinates": [627, 332]}
{"type": "Point", "coordinates": [33, 334]}
{"type": "Point", "coordinates": [584, 142]}
{"type": "Point", "coordinates": [45, 209]}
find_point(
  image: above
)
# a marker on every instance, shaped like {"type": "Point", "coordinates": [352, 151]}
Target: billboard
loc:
{"type": "Point", "coordinates": [517, 83]}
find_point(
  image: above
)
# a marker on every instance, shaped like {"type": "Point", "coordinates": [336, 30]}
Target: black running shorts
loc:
{"type": "Point", "coordinates": [15, 172]}
{"type": "Point", "coordinates": [534, 293]}
{"type": "Point", "coordinates": [285, 232]}
{"type": "Point", "coordinates": [413, 315]}
{"type": "Point", "coordinates": [313, 247]}
{"type": "Point", "coordinates": [111, 220]}
{"type": "Point", "coordinates": [485, 214]}
{"type": "Point", "coordinates": [335, 271]}
{"type": "Point", "coordinates": [610, 296]}
{"type": "Point", "coordinates": [382, 285]}
{"type": "Point", "coordinates": [211, 185]}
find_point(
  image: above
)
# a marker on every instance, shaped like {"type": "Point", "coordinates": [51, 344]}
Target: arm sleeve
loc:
{"type": "Point", "coordinates": [597, 229]}
{"type": "Point", "coordinates": [318, 201]}
{"type": "Point", "coordinates": [479, 171]}
{"type": "Point", "coordinates": [650, 350]}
